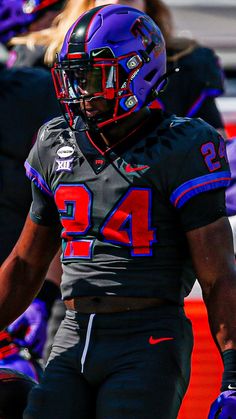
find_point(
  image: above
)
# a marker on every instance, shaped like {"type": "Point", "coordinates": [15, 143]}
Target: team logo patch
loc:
{"type": "Point", "coordinates": [64, 165]}
{"type": "Point", "coordinates": [99, 163]}
{"type": "Point", "coordinates": [65, 151]}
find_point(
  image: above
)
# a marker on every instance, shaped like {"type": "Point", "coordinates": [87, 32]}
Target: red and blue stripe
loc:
{"type": "Point", "coordinates": [193, 187]}
{"type": "Point", "coordinates": [35, 177]}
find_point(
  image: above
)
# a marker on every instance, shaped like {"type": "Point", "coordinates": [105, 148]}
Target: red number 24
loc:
{"type": "Point", "coordinates": [128, 224]}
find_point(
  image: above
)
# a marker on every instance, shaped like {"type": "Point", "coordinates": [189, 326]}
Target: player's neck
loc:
{"type": "Point", "coordinates": [120, 130]}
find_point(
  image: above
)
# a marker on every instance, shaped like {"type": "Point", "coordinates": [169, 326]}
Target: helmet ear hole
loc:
{"type": "Point", "coordinates": [150, 75]}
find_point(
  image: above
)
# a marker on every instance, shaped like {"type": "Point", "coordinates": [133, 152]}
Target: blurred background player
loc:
{"type": "Point", "coordinates": [27, 101]}
{"type": "Point", "coordinates": [37, 17]}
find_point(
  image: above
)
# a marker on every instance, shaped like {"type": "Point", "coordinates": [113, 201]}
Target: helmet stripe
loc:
{"type": "Point", "coordinates": [95, 11]}
{"type": "Point", "coordinates": [84, 23]}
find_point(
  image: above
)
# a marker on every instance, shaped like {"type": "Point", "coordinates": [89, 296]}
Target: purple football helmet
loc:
{"type": "Point", "coordinates": [224, 407]}
{"type": "Point", "coordinates": [12, 19]}
{"type": "Point", "coordinates": [112, 52]}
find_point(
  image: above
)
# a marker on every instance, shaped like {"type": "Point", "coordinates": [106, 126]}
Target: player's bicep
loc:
{"type": "Point", "coordinates": [211, 249]}
{"type": "Point", "coordinates": [37, 244]}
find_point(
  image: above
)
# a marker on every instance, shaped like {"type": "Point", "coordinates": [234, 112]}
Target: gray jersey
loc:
{"type": "Point", "coordinates": [125, 212]}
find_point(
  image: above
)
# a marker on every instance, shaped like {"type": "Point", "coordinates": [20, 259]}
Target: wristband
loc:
{"type": "Point", "coordinates": [49, 293]}
{"type": "Point", "coordinates": [229, 374]}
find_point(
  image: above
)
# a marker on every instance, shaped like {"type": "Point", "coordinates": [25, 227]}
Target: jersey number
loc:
{"type": "Point", "coordinates": [212, 156]}
{"type": "Point", "coordinates": [128, 223]}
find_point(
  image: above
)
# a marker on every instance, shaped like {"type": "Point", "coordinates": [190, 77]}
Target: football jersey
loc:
{"type": "Point", "coordinates": [124, 212]}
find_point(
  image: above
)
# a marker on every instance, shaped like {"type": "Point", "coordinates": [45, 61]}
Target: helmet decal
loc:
{"type": "Point", "coordinates": [146, 29]}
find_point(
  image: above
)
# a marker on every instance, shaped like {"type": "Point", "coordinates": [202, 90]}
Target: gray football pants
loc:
{"type": "Point", "coordinates": [130, 365]}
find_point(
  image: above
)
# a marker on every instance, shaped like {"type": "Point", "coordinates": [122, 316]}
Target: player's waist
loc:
{"type": "Point", "coordinates": [112, 304]}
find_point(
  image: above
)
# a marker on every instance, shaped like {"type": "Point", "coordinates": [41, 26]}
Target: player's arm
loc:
{"type": "Point", "coordinates": [213, 257]}
{"type": "Point", "coordinates": [23, 272]}
{"type": "Point", "coordinates": [232, 221]}
{"type": "Point", "coordinates": [42, 236]}
{"type": "Point", "coordinates": [200, 199]}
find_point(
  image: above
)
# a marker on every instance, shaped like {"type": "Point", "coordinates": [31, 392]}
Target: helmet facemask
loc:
{"type": "Point", "coordinates": [81, 85]}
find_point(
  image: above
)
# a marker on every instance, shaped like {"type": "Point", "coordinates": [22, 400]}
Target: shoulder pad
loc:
{"type": "Point", "coordinates": [55, 128]}
{"type": "Point", "coordinates": [185, 133]}
{"type": "Point", "coordinates": [185, 126]}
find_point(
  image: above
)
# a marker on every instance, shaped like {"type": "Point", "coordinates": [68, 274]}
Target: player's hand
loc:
{"type": "Point", "coordinates": [29, 330]}
{"type": "Point", "coordinates": [224, 407]}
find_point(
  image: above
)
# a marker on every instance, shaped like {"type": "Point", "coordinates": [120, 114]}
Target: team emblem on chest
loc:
{"type": "Point", "coordinates": [64, 165]}
{"type": "Point", "coordinates": [65, 151]}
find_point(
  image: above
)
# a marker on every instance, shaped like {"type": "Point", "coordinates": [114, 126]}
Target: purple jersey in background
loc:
{"type": "Point", "coordinates": [231, 190]}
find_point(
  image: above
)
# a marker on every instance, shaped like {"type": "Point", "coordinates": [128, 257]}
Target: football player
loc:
{"type": "Point", "coordinates": [138, 198]}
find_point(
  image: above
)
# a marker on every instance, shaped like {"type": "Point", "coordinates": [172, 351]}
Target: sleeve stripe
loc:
{"type": "Point", "coordinates": [35, 177]}
{"type": "Point", "coordinates": [200, 184]}
{"type": "Point", "coordinates": [198, 103]}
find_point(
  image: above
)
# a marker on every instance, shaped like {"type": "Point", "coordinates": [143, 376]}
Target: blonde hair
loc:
{"type": "Point", "coordinates": [52, 38]}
